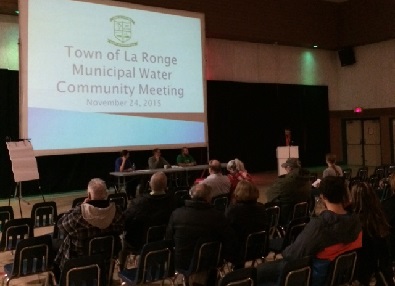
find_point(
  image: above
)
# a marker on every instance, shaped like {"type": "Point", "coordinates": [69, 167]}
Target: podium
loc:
{"type": "Point", "coordinates": [283, 153]}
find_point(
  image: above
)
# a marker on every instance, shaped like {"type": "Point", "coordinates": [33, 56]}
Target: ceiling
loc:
{"type": "Point", "coordinates": [8, 7]}
{"type": "Point", "coordinates": [334, 24]}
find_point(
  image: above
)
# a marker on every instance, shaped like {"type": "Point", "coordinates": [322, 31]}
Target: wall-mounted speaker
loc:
{"type": "Point", "coordinates": [347, 57]}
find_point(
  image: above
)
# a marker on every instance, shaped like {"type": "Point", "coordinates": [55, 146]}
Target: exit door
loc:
{"type": "Point", "coordinates": [363, 142]}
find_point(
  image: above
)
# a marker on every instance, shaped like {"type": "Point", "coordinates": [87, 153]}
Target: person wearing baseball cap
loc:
{"type": "Point", "coordinates": [289, 189]}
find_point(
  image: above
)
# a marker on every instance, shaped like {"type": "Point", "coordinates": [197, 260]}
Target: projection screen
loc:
{"type": "Point", "coordinates": [103, 76]}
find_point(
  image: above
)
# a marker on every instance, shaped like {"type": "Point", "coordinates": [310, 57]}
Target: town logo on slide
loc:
{"type": "Point", "coordinates": [122, 31]}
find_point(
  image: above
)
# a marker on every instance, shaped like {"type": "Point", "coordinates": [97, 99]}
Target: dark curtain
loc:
{"type": "Point", "coordinates": [247, 121]}
{"type": "Point", "coordinates": [9, 126]}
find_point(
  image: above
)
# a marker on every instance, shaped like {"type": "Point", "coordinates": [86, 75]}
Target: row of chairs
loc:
{"type": "Point", "coordinates": [380, 172]}
{"type": "Point", "coordinates": [34, 255]}
{"type": "Point", "coordinates": [156, 263]}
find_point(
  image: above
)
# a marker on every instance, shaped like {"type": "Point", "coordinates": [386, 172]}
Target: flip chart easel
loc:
{"type": "Point", "coordinates": [24, 165]}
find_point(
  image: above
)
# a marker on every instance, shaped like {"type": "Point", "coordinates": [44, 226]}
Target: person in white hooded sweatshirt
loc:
{"type": "Point", "coordinates": [95, 216]}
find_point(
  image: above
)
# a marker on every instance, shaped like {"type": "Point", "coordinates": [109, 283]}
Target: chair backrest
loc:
{"type": "Point", "coordinates": [362, 173]}
{"type": "Point", "coordinates": [256, 246]}
{"type": "Point", "coordinates": [386, 192]}
{"type": "Point", "coordinates": [294, 228]}
{"type": "Point", "coordinates": [379, 172]}
{"type": "Point", "coordinates": [301, 209]}
{"type": "Point", "coordinates": [120, 198]}
{"type": "Point", "coordinates": [389, 170]}
{"type": "Point", "coordinates": [77, 201]}
{"type": "Point", "coordinates": [156, 233]}
{"type": "Point", "coordinates": [84, 270]}
{"type": "Point", "coordinates": [103, 245]}
{"type": "Point", "coordinates": [180, 196]}
{"type": "Point", "coordinates": [273, 217]}
{"type": "Point", "coordinates": [56, 234]}
{"type": "Point", "coordinates": [32, 256]}
{"type": "Point", "coordinates": [6, 214]}
{"type": "Point", "coordinates": [342, 269]}
{"type": "Point", "coordinates": [156, 262]}
{"type": "Point", "coordinates": [374, 182]}
{"type": "Point", "coordinates": [206, 256]}
{"type": "Point", "coordinates": [220, 202]}
{"type": "Point", "coordinates": [296, 272]}
{"type": "Point", "coordinates": [14, 231]}
{"type": "Point", "coordinates": [44, 214]}
{"type": "Point", "coordinates": [347, 172]}
{"type": "Point", "coordinates": [240, 277]}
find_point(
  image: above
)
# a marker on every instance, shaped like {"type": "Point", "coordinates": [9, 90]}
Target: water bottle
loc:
{"type": "Point", "coordinates": [133, 167]}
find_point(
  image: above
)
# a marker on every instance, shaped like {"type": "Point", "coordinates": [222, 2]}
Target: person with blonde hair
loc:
{"type": "Point", "coordinates": [237, 173]}
{"type": "Point", "coordinates": [246, 216]}
{"type": "Point", "coordinates": [374, 256]}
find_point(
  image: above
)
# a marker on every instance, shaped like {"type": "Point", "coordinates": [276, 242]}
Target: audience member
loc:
{"type": "Point", "coordinates": [333, 232]}
{"type": "Point", "coordinates": [237, 173]}
{"type": "Point", "coordinates": [218, 183]}
{"type": "Point", "coordinates": [389, 210]}
{"type": "Point", "coordinates": [95, 216]}
{"type": "Point", "coordinates": [197, 221]}
{"type": "Point", "coordinates": [246, 216]}
{"type": "Point", "coordinates": [151, 209]}
{"type": "Point", "coordinates": [185, 159]}
{"type": "Point", "coordinates": [156, 161]}
{"type": "Point", "coordinates": [374, 255]}
{"type": "Point", "coordinates": [292, 188]}
{"type": "Point", "coordinates": [333, 169]}
{"type": "Point", "coordinates": [123, 164]}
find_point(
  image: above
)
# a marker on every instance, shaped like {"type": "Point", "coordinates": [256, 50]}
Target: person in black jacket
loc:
{"type": "Point", "coordinates": [151, 209]}
{"type": "Point", "coordinates": [246, 216]}
{"type": "Point", "coordinates": [197, 221]}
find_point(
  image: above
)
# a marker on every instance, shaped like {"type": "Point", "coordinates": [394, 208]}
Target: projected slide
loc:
{"type": "Point", "coordinates": [109, 75]}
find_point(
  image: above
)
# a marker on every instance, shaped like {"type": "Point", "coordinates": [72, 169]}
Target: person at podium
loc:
{"type": "Point", "coordinates": [288, 137]}
{"type": "Point", "coordinates": [291, 188]}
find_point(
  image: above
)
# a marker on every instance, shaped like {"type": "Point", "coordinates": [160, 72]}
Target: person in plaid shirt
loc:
{"type": "Point", "coordinates": [95, 216]}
